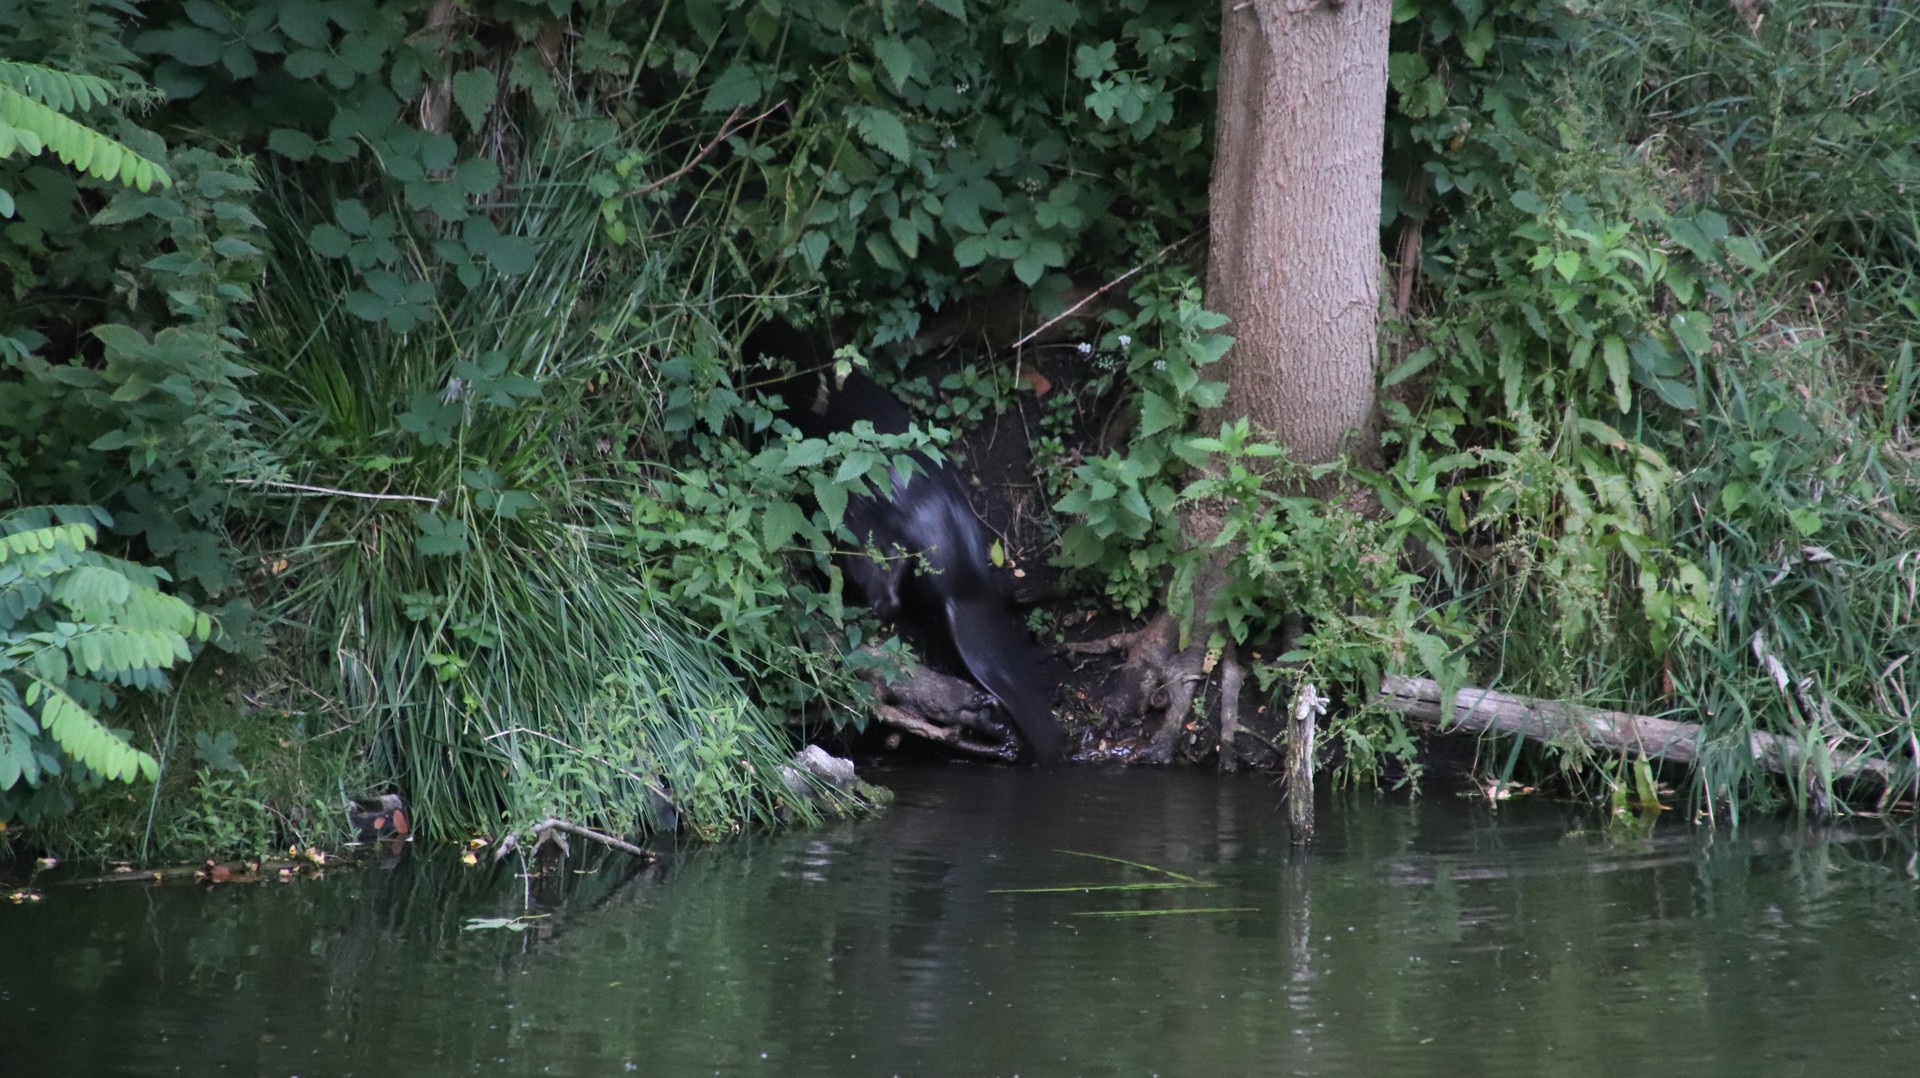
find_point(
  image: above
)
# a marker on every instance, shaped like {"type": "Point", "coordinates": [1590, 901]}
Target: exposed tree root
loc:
{"type": "Point", "coordinates": [1154, 686]}
{"type": "Point", "coordinates": [944, 710]}
{"type": "Point", "coordinates": [1143, 710]}
{"type": "Point", "coordinates": [1233, 676]}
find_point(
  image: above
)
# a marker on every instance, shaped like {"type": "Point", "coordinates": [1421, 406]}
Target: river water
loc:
{"type": "Point", "coordinates": [1427, 937]}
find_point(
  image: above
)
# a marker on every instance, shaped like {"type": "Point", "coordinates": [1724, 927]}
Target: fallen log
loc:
{"type": "Point", "coordinates": [943, 709]}
{"type": "Point", "coordinates": [1482, 710]}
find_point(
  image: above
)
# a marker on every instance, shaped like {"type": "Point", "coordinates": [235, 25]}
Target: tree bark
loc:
{"type": "Point", "coordinates": [1295, 215]}
{"type": "Point", "coordinates": [1294, 225]}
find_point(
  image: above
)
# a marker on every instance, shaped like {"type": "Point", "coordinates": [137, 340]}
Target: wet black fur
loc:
{"type": "Point", "coordinates": [931, 554]}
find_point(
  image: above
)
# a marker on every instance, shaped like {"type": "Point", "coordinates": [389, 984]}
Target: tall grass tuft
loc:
{"type": "Point", "coordinates": [447, 571]}
{"type": "Point", "coordinates": [1802, 488]}
{"type": "Point", "coordinates": [1724, 526]}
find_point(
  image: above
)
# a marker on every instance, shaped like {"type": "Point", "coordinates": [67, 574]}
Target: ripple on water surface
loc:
{"type": "Point", "coordinates": [1003, 921]}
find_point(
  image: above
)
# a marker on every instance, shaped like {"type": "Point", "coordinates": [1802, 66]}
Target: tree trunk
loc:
{"type": "Point", "coordinates": [1295, 263]}
{"type": "Point", "coordinates": [1295, 215]}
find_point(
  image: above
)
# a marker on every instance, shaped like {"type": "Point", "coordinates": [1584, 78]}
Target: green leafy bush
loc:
{"type": "Point", "coordinates": [1662, 237]}
{"type": "Point", "coordinates": [76, 628]}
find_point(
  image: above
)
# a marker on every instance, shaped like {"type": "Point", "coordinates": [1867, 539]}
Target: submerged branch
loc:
{"type": "Point", "coordinates": [552, 829]}
{"type": "Point", "coordinates": [552, 824]}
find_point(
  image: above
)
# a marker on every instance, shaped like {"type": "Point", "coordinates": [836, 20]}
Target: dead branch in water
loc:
{"type": "Point", "coordinates": [552, 831]}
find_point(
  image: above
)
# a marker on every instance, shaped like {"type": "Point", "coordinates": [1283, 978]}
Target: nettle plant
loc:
{"type": "Point", "coordinates": [1124, 503]}
{"type": "Point", "coordinates": [76, 628]}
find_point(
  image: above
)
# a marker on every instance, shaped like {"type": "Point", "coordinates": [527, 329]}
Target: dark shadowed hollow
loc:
{"type": "Point", "coordinates": [1429, 937]}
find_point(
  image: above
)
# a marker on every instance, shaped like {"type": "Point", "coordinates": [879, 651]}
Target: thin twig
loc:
{"type": "Point", "coordinates": [726, 129]}
{"type": "Point", "coordinates": [336, 492]}
{"type": "Point", "coordinates": [1102, 290]}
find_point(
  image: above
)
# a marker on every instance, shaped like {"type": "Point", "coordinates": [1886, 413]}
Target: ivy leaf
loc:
{"type": "Point", "coordinates": [813, 248]}
{"type": "Point", "coordinates": [737, 86]}
{"type": "Point", "coordinates": [474, 90]}
{"type": "Point", "coordinates": [1690, 329]}
{"type": "Point", "coordinates": [779, 523]}
{"type": "Point", "coordinates": [291, 144]}
{"type": "Point", "coordinates": [1157, 413]}
{"type": "Point", "coordinates": [883, 131]}
{"type": "Point", "coordinates": [439, 537]}
{"type": "Point", "coordinates": [306, 24]}
{"type": "Point", "coordinates": [476, 176]}
{"type": "Point", "coordinates": [1404, 69]}
{"type": "Point", "coordinates": [217, 752]}
{"type": "Point", "coordinates": [970, 251]}
{"type": "Point", "coordinates": [897, 58]}
{"type": "Point", "coordinates": [329, 241]}
{"type": "Point", "coordinates": [905, 236]}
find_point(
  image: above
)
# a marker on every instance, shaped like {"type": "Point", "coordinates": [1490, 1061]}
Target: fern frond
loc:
{"type": "Point", "coordinates": [85, 738]}
{"type": "Point", "coordinates": [57, 90]}
{"type": "Point", "coordinates": [143, 576]}
{"type": "Point", "coordinates": [30, 127]}
{"type": "Point", "coordinates": [20, 595]}
{"type": "Point", "coordinates": [17, 727]}
{"type": "Point", "coordinates": [94, 593]}
{"type": "Point", "coordinates": [41, 540]}
{"type": "Point", "coordinates": [109, 652]}
{"type": "Point", "coordinates": [146, 608]}
{"type": "Point", "coordinates": [29, 517]}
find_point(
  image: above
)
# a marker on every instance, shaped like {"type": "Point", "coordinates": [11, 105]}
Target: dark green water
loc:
{"type": "Point", "coordinates": [1427, 938]}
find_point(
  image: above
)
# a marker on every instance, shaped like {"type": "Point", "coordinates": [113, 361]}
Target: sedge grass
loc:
{"type": "Point", "coordinates": [458, 594]}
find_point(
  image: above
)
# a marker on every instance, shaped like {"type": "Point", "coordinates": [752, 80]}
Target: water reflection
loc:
{"type": "Point", "coordinates": [1433, 937]}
